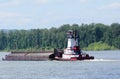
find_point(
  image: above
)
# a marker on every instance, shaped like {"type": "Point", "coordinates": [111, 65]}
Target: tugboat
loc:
{"type": "Point", "coordinates": [71, 53]}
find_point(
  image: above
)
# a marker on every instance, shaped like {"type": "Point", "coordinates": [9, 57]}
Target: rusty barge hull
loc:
{"type": "Point", "coordinates": [27, 56]}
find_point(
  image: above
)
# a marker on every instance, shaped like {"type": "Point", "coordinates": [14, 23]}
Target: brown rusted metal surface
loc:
{"type": "Point", "coordinates": [27, 56]}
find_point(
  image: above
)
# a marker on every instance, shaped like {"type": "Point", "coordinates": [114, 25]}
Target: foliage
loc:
{"type": "Point", "coordinates": [56, 37]}
{"type": "Point", "coordinates": [99, 46]}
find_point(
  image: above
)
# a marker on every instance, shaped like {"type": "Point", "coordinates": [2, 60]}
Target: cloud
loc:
{"type": "Point", "coordinates": [42, 1]}
{"type": "Point", "coordinates": [18, 23]}
{"type": "Point", "coordinates": [49, 1]}
{"type": "Point", "coordinates": [115, 5]}
{"type": "Point", "coordinates": [10, 3]}
{"type": "Point", "coordinates": [9, 19]}
{"type": "Point", "coordinates": [9, 14]}
{"type": "Point", "coordinates": [23, 21]}
{"type": "Point", "coordinates": [49, 18]}
{"type": "Point", "coordinates": [83, 1]}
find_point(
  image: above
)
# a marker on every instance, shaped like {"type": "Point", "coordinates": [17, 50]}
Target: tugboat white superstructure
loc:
{"type": "Point", "coordinates": [70, 51]}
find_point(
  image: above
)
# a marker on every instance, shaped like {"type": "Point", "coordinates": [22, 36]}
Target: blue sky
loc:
{"type": "Point", "coordinates": [32, 14]}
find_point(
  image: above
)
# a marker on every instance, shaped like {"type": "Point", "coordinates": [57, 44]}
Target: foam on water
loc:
{"type": "Point", "coordinates": [104, 60]}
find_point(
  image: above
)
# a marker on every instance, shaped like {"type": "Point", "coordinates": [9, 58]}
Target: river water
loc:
{"type": "Point", "coordinates": [106, 65]}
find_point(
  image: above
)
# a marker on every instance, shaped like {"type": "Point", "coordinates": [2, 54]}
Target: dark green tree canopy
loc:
{"type": "Point", "coordinates": [56, 37]}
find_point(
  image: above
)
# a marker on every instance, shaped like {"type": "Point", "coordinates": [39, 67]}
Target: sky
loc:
{"type": "Point", "coordinates": [33, 14]}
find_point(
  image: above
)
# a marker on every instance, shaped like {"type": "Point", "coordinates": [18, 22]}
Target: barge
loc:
{"type": "Point", "coordinates": [73, 52]}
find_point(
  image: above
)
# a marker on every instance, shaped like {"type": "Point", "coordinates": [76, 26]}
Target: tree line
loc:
{"type": "Point", "coordinates": [56, 37]}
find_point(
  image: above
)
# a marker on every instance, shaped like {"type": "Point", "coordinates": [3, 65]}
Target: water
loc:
{"type": "Point", "coordinates": [106, 65]}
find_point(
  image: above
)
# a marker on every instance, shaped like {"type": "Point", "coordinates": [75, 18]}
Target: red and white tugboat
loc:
{"type": "Point", "coordinates": [73, 51]}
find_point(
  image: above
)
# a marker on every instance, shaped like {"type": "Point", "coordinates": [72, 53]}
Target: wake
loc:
{"type": "Point", "coordinates": [104, 60]}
